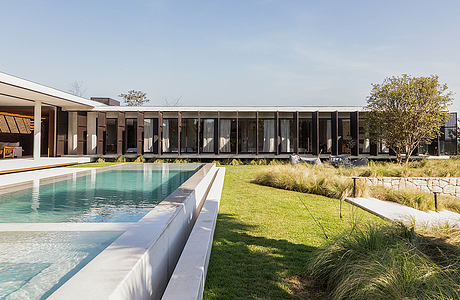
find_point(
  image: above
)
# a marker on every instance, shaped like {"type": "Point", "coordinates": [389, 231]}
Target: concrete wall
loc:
{"type": "Point", "coordinates": [72, 133]}
{"type": "Point", "coordinates": [140, 262]}
{"type": "Point", "coordinates": [91, 133]}
{"type": "Point", "coordinates": [444, 185]}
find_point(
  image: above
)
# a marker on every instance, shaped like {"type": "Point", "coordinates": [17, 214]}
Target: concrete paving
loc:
{"type": "Point", "coordinates": [400, 213]}
{"type": "Point", "coordinates": [25, 163]}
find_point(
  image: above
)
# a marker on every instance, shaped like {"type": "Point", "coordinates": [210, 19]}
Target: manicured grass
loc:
{"type": "Point", "coordinates": [265, 236]}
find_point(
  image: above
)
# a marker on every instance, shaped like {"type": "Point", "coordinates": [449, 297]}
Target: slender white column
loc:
{"type": "Point", "coordinates": [37, 128]}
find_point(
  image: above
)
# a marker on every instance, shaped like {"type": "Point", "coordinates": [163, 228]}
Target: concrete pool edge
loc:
{"type": "Point", "coordinates": [189, 276]}
{"type": "Point", "coordinates": [139, 263]}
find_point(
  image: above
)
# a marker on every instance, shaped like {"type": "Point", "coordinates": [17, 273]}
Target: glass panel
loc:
{"type": "Point", "coordinates": [267, 135]}
{"type": "Point", "coordinates": [111, 133]}
{"type": "Point", "coordinates": [364, 139]}
{"type": "Point", "coordinates": [227, 139]}
{"type": "Point", "coordinates": [169, 140]}
{"type": "Point", "coordinates": [448, 138]}
{"type": "Point", "coordinates": [325, 135]}
{"type": "Point", "coordinates": [188, 138]}
{"type": "Point", "coordinates": [207, 135]}
{"type": "Point", "coordinates": [305, 136]}
{"type": "Point", "coordinates": [344, 136]}
{"type": "Point", "coordinates": [287, 134]}
{"type": "Point", "coordinates": [148, 135]}
{"type": "Point", "coordinates": [131, 135]}
{"type": "Point", "coordinates": [247, 135]}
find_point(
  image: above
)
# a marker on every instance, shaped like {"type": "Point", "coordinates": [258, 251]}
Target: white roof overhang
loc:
{"type": "Point", "coordinates": [15, 91]}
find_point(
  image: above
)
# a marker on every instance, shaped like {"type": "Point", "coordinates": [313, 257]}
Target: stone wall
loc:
{"type": "Point", "coordinates": [443, 185]}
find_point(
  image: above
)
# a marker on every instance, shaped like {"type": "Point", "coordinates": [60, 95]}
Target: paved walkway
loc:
{"type": "Point", "coordinates": [12, 164]}
{"type": "Point", "coordinates": [400, 213]}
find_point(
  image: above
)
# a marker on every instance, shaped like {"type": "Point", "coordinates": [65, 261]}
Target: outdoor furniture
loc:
{"type": "Point", "coordinates": [295, 159]}
{"type": "Point", "coordinates": [10, 150]}
{"type": "Point", "coordinates": [339, 161]}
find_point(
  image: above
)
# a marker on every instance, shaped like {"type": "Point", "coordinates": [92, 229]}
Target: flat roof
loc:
{"type": "Point", "coordinates": [15, 91]}
{"type": "Point", "coordinates": [231, 108]}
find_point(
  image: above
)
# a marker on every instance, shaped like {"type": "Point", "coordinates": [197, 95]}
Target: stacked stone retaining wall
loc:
{"type": "Point", "coordinates": [444, 185]}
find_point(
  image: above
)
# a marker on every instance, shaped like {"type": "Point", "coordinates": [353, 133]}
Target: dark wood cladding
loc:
{"type": "Point", "coordinates": [51, 131]}
{"type": "Point", "coordinates": [237, 132]}
{"type": "Point", "coordinates": [160, 131]}
{"type": "Point", "coordinates": [315, 133]}
{"type": "Point", "coordinates": [61, 131]}
{"type": "Point", "coordinates": [101, 130]}
{"type": "Point", "coordinates": [81, 132]}
{"type": "Point", "coordinates": [335, 132]}
{"type": "Point", "coordinates": [257, 133]}
{"type": "Point", "coordinates": [198, 134]}
{"type": "Point", "coordinates": [297, 135]}
{"type": "Point", "coordinates": [120, 132]}
{"type": "Point", "coordinates": [217, 134]}
{"type": "Point", "coordinates": [354, 127]}
{"type": "Point", "coordinates": [277, 132]}
{"type": "Point", "coordinates": [179, 129]}
{"type": "Point", "coordinates": [140, 132]}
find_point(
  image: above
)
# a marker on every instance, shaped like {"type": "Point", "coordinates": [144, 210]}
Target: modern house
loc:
{"type": "Point", "coordinates": [42, 121]}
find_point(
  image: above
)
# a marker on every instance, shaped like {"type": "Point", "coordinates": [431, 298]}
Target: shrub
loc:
{"type": "Point", "coordinates": [140, 159]}
{"type": "Point", "coordinates": [414, 198]}
{"type": "Point", "coordinates": [314, 180]}
{"type": "Point", "coordinates": [100, 160]}
{"type": "Point", "coordinates": [387, 262]}
{"type": "Point", "coordinates": [121, 159]}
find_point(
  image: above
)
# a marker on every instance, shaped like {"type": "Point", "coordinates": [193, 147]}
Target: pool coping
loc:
{"type": "Point", "coordinates": [139, 263]}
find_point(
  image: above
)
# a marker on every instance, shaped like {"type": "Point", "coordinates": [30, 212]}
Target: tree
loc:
{"type": "Point", "coordinates": [406, 111]}
{"type": "Point", "coordinates": [77, 89]}
{"type": "Point", "coordinates": [135, 98]}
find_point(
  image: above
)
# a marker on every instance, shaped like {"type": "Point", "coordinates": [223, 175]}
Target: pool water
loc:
{"type": "Point", "coordinates": [124, 194]}
{"type": "Point", "coordinates": [34, 264]}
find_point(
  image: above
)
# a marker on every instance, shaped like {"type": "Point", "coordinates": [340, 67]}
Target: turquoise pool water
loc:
{"type": "Point", "coordinates": [123, 194]}
{"type": "Point", "coordinates": [34, 264]}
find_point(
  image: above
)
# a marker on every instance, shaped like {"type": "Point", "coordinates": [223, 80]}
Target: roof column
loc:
{"type": "Point", "coordinates": [37, 128]}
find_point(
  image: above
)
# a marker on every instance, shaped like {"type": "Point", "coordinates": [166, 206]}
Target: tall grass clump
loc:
{"type": "Point", "coordinates": [309, 179]}
{"type": "Point", "coordinates": [387, 262]}
{"type": "Point", "coordinates": [414, 198]}
{"type": "Point", "coordinates": [121, 159]}
{"type": "Point", "coordinates": [420, 168]}
{"type": "Point", "coordinates": [140, 159]}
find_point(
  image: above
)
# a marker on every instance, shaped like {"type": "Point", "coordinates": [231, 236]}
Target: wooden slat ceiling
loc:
{"type": "Point", "coordinates": [14, 123]}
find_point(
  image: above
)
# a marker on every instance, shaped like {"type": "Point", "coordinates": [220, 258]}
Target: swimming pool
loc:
{"type": "Point", "coordinates": [36, 259]}
{"type": "Point", "coordinates": [123, 194]}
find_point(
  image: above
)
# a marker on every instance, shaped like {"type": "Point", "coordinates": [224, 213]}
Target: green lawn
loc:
{"type": "Point", "coordinates": [265, 236]}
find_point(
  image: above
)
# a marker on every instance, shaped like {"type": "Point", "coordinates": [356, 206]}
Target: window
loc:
{"type": "Point", "coordinates": [131, 135]}
{"type": "Point", "coordinates": [150, 131]}
{"type": "Point", "coordinates": [305, 135]}
{"type": "Point", "coordinates": [364, 137]}
{"type": "Point", "coordinates": [287, 134]}
{"type": "Point", "coordinates": [189, 136]}
{"type": "Point", "coordinates": [111, 133]}
{"type": "Point", "coordinates": [227, 136]}
{"type": "Point", "coordinates": [169, 140]}
{"type": "Point", "coordinates": [207, 135]}
{"type": "Point", "coordinates": [345, 139]}
{"type": "Point", "coordinates": [325, 135]}
{"type": "Point", "coordinates": [448, 138]}
{"type": "Point", "coordinates": [247, 135]}
{"type": "Point", "coordinates": [266, 133]}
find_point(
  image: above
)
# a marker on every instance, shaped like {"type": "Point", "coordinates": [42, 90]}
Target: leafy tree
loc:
{"type": "Point", "coordinates": [406, 111]}
{"type": "Point", "coordinates": [135, 98]}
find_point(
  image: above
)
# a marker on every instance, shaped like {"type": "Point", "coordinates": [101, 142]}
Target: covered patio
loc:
{"type": "Point", "coordinates": [29, 121]}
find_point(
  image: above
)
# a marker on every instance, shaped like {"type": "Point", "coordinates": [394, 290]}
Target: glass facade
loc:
{"type": "Point", "coordinates": [287, 135]}
{"type": "Point", "coordinates": [169, 141]}
{"type": "Point", "coordinates": [267, 133]}
{"type": "Point", "coordinates": [448, 138]}
{"type": "Point", "coordinates": [111, 136]}
{"type": "Point", "coordinates": [131, 136]}
{"type": "Point", "coordinates": [207, 135]}
{"type": "Point", "coordinates": [247, 133]}
{"type": "Point", "coordinates": [325, 136]}
{"type": "Point", "coordinates": [364, 138]}
{"type": "Point", "coordinates": [189, 136]}
{"type": "Point", "coordinates": [305, 135]}
{"type": "Point", "coordinates": [227, 136]}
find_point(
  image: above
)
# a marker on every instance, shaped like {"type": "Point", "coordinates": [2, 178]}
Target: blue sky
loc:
{"type": "Point", "coordinates": [249, 52]}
